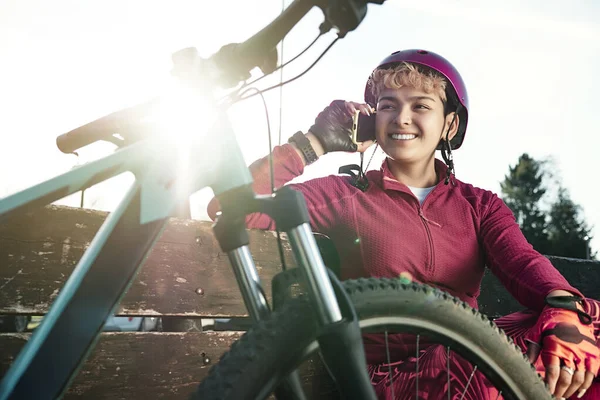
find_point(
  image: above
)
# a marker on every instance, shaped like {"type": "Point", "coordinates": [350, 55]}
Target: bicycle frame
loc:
{"type": "Point", "coordinates": [46, 365]}
{"type": "Point", "coordinates": [107, 268]}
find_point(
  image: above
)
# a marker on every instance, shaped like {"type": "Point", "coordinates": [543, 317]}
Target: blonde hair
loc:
{"type": "Point", "coordinates": [408, 74]}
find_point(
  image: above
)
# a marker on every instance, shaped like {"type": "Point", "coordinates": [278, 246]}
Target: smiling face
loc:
{"type": "Point", "coordinates": [411, 118]}
{"type": "Point", "coordinates": [410, 124]}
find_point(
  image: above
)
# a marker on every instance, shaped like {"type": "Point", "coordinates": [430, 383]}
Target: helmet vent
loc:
{"type": "Point", "coordinates": [422, 52]}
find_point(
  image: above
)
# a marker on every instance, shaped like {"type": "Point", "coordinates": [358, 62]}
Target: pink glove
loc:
{"type": "Point", "coordinates": [564, 336]}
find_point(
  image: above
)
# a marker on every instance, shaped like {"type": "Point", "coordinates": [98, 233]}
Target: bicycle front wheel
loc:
{"type": "Point", "coordinates": [278, 345]}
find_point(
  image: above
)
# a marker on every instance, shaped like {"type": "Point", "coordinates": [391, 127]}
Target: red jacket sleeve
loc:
{"type": "Point", "coordinates": [526, 274]}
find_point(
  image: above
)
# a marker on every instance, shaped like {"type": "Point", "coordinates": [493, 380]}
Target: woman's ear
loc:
{"type": "Point", "coordinates": [452, 120]}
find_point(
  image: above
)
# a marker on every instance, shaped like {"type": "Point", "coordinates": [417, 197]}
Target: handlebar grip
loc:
{"type": "Point", "coordinates": [125, 122]}
{"type": "Point", "coordinates": [82, 136]}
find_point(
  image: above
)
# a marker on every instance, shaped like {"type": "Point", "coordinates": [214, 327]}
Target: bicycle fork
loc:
{"type": "Point", "coordinates": [339, 334]}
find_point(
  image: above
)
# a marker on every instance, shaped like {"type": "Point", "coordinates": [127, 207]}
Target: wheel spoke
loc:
{"type": "Point", "coordinates": [417, 363]}
{"type": "Point", "coordinates": [389, 362]}
{"type": "Point", "coordinates": [448, 370]}
{"type": "Point", "coordinates": [468, 382]}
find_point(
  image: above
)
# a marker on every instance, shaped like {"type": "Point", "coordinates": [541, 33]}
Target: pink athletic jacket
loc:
{"type": "Point", "coordinates": [445, 242]}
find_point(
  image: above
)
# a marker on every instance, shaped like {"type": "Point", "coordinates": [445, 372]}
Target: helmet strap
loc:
{"type": "Point", "coordinates": [362, 156]}
{"type": "Point", "coordinates": [447, 153]}
{"type": "Point", "coordinates": [448, 158]}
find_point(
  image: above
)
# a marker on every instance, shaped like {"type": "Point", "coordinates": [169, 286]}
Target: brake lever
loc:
{"type": "Point", "coordinates": [346, 15]}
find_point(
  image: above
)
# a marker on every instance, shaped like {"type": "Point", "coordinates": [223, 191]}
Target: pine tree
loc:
{"type": "Point", "coordinates": [523, 191]}
{"type": "Point", "coordinates": [568, 234]}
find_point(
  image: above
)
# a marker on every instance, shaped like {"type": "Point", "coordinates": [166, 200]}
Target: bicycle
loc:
{"type": "Point", "coordinates": [329, 317]}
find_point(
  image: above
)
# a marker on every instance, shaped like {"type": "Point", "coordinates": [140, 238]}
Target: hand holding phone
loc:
{"type": "Point", "coordinates": [363, 127]}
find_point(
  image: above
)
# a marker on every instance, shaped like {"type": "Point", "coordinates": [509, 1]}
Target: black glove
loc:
{"type": "Point", "coordinates": [333, 128]}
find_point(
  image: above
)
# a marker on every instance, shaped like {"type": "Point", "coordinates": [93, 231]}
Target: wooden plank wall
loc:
{"type": "Point", "coordinates": [38, 252]}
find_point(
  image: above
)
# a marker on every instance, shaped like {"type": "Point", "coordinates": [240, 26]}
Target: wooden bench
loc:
{"type": "Point", "coordinates": [186, 278]}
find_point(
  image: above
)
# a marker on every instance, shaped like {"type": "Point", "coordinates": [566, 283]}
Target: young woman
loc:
{"type": "Point", "coordinates": [414, 218]}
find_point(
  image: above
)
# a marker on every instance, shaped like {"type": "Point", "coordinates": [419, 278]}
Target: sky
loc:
{"type": "Point", "coordinates": [529, 68]}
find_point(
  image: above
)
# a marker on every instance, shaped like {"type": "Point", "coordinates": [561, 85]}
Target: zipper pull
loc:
{"type": "Point", "coordinates": [426, 219]}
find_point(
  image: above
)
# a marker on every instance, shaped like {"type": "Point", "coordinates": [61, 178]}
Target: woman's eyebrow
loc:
{"type": "Point", "coordinates": [422, 98]}
{"type": "Point", "coordinates": [395, 100]}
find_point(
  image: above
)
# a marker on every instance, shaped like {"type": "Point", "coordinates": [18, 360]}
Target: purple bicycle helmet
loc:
{"type": "Point", "coordinates": [439, 64]}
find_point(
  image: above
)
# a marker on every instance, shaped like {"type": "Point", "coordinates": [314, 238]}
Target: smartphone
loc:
{"type": "Point", "coordinates": [363, 127]}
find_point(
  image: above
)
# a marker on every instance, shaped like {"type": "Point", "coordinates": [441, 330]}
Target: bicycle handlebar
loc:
{"type": "Point", "coordinates": [235, 60]}
{"type": "Point", "coordinates": [232, 63]}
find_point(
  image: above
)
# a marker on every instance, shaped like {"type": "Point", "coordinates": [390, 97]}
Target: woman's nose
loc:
{"type": "Point", "coordinates": [403, 117]}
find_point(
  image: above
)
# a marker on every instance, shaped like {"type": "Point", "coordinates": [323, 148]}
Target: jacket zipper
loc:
{"type": "Point", "coordinates": [431, 252]}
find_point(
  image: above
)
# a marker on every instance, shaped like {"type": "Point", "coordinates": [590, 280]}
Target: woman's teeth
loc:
{"type": "Point", "coordinates": [403, 137]}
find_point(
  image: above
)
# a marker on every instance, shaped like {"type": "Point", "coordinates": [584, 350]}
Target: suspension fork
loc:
{"type": "Point", "coordinates": [339, 334]}
{"type": "Point", "coordinates": [230, 231]}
